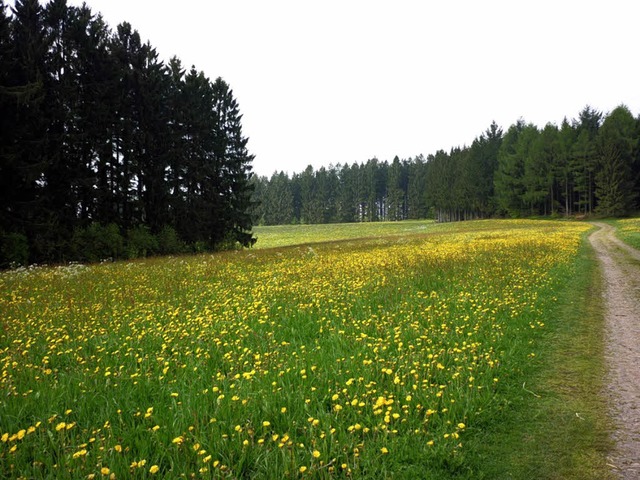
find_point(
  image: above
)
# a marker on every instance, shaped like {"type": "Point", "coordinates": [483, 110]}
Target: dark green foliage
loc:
{"type": "Point", "coordinates": [96, 243]}
{"type": "Point", "coordinates": [617, 145]}
{"type": "Point", "coordinates": [587, 165]}
{"type": "Point", "coordinates": [96, 130]}
{"type": "Point", "coordinates": [169, 242]}
{"type": "Point", "coordinates": [14, 250]}
{"type": "Point", "coordinates": [140, 242]}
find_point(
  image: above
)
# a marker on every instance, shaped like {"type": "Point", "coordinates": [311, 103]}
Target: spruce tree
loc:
{"type": "Point", "coordinates": [617, 146]}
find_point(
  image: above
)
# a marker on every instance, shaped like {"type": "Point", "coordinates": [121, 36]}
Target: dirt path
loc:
{"type": "Point", "coordinates": [621, 272]}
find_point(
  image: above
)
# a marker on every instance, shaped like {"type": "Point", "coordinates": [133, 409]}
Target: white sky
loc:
{"type": "Point", "coordinates": [335, 81]}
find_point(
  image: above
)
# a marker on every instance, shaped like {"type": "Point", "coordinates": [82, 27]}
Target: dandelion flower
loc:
{"type": "Point", "coordinates": [154, 469]}
{"type": "Point", "coordinates": [79, 453]}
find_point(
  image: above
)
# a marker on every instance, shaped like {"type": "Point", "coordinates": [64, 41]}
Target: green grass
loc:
{"type": "Point", "coordinates": [628, 230]}
{"type": "Point", "coordinates": [286, 235]}
{"type": "Point", "coordinates": [399, 352]}
{"type": "Point", "coordinates": [555, 425]}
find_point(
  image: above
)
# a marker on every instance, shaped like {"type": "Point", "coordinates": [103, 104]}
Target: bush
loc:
{"type": "Point", "coordinates": [141, 242]}
{"type": "Point", "coordinates": [96, 242]}
{"type": "Point", "coordinates": [14, 250]}
{"type": "Point", "coordinates": [169, 242]}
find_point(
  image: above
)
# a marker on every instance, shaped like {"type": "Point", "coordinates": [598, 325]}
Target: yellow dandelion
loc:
{"type": "Point", "coordinates": [384, 450]}
{"type": "Point", "coordinates": [154, 469]}
{"type": "Point", "coordinates": [80, 453]}
{"type": "Point", "coordinates": [316, 454]}
{"type": "Point", "coordinates": [105, 471]}
{"type": "Point", "coordinates": [302, 469]}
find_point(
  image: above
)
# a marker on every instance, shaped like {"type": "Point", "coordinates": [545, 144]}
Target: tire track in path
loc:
{"type": "Point", "coordinates": [621, 273]}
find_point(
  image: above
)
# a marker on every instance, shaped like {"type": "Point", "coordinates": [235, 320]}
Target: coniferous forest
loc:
{"type": "Point", "coordinates": [106, 151]}
{"type": "Point", "coordinates": [589, 165]}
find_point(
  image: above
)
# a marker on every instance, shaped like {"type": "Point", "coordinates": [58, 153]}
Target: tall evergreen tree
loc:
{"type": "Point", "coordinates": [396, 198]}
{"type": "Point", "coordinates": [346, 205]}
{"type": "Point", "coordinates": [416, 186]}
{"type": "Point", "coordinates": [508, 182]}
{"type": "Point", "coordinates": [26, 153]}
{"type": "Point", "coordinates": [617, 147]}
{"type": "Point", "coordinates": [584, 158]}
{"type": "Point", "coordinates": [278, 201]}
{"type": "Point", "coordinates": [233, 163]}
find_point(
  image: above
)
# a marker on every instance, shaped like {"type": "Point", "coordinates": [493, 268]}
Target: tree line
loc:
{"type": "Point", "coordinates": [107, 151]}
{"type": "Point", "coordinates": [589, 165]}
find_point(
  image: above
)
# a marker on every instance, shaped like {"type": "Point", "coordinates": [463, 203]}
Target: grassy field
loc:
{"type": "Point", "coordinates": [628, 230]}
{"type": "Point", "coordinates": [287, 235]}
{"type": "Point", "coordinates": [418, 351]}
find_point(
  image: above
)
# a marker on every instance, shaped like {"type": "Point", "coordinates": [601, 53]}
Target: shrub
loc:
{"type": "Point", "coordinates": [97, 242]}
{"type": "Point", "coordinates": [169, 242]}
{"type": "Point", "coordinates": [141, 242]}
{"type": "Point", "coordinates": [14, 249]}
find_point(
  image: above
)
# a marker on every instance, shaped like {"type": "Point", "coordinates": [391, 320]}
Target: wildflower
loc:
{"type": "Point", "coordinates": [316, 454]}
{"type": "Point", "coordinates": [80, 453]}
{"type": "Point", "coordinates": [302, 469]}
{"type": "Point", "coordinates": [105, 471]}
{"type": "Point", "coordinates": [154, 469]}
{"type": "Point", "coordinates": [384, 450]}
{"type": "Point", "coordinates": [178, 440]}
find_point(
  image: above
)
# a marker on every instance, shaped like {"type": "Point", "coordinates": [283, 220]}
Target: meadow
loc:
{"type": "Point", "coordinates": [628, 230]}
{"type": "Point", "coordinates": [391, 353]}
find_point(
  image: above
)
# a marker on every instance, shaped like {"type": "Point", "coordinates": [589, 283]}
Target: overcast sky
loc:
{"type": "Point", "coordinates": [327, 82]}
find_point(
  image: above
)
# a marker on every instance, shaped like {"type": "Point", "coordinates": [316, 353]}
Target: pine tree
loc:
{"type": "Point", "coordinates": [584, 158]}
{"type": "Point", "coordinates": [416, 198]}
{"type": "Point", "coordinates": [508, 182]}
{"type": "Point", "coordinates": [346, 196]}
{"type": "Point", "coordinates": [396, 191]}
{"type": "Point", "coordinates": [233, 166]}
{"type": "Point", "coordinates": [26, 152]}
{"type": "Point", "coordinates": [617, 146]}
{"type": "Point", "coordinates": [278, 201]}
